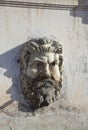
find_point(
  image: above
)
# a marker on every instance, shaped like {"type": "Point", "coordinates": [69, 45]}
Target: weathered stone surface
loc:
{"type": "Point", "coordinates": [50, 119]}
{"type": "Point", "coordinates": [41, 70]}
{"type": "Point", "coordinates": [5, 127]}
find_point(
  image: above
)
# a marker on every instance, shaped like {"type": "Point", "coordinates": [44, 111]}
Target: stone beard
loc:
{"type": "Point", "coordinates": [41, 71]}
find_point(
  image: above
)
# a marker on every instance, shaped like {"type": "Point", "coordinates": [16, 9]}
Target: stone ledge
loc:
{"type": "Point", "coordinates": [43, 5]}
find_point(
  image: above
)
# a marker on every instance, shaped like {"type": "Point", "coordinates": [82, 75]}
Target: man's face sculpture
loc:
{"type": "Point", "coordinates": [41, 71]}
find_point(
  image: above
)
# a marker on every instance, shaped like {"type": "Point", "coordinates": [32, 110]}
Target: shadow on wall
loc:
{"type": "Point", "coordinates": [10, 62]}
{"type": "Point", "coordinates": [83, 14]}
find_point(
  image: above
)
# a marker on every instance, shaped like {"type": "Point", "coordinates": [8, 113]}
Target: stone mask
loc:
{"type": "Point", "coordinates": [41, 71]}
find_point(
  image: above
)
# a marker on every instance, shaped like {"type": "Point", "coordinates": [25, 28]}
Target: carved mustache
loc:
{"type": "Point", "coordinates": [44, 81]}
{"type": "Point", "coordinates": [42, 77]}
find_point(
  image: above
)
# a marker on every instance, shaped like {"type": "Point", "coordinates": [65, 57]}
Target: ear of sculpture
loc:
{"type": "Point", "coordinates": [30, 48]}
{"type": "Point", "coordinates": [60, 63]}
{"type": "Point", "coordinates": [25, 57]}
{"type": "Point", "coordinates": [58, 49]}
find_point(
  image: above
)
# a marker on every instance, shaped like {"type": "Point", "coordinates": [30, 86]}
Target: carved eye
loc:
{"type": "Point", "coordinates": [39, 64]}
{"type": "Point", "coordinates": [53, 63]}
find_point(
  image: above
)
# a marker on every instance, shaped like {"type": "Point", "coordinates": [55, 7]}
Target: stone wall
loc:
{"type": "Point", "coordinates": [70, 27]}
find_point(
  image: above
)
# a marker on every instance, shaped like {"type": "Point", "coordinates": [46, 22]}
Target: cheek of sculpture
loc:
{"type": "Point", "coordinates": [31, 70]}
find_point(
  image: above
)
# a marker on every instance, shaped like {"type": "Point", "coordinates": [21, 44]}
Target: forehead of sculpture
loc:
{"type": "Point", "coordinates": [46, 58]}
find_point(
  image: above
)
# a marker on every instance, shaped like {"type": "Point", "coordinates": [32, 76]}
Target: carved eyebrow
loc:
{"type": "Point", "coordinates": [36, 61]}
{"type": "Point", "coordinates": [40, 60]}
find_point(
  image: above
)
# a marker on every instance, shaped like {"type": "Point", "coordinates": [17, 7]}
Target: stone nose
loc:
{"type": "Point", "coordinates": [46, 70]}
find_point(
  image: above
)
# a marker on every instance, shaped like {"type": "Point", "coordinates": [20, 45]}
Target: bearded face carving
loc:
{"type": "Point", "coordinates": [41, 71]}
